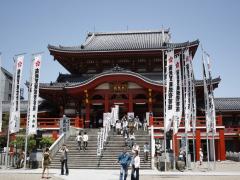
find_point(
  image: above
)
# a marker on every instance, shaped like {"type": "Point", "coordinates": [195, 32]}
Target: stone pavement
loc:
{"type": "Point", "coordinates": [224, 170]}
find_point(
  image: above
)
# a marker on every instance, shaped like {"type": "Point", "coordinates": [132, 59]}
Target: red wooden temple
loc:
{"type": "Point", "coordinates": [125, 68]}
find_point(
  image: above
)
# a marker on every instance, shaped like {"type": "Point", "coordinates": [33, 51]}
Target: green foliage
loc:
{"type": "Point", "coordinates": [46, 141]}
{"type": "Point", "coordinates": [5, 119]}
{"type": "Point", "coordinates": [19, 142]}
{"type": "Point", "coordinates": [31, 143]}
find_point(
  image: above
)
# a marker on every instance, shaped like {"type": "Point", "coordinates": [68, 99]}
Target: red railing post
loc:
{"type": "Point", "coordinates": [219, 120]}
{"type": "Point", "coordinates": [198, 143]}
{"type": "Point", "coordinates": [222, 145]}
{"type": "Point", "coordinates": [151, 120]}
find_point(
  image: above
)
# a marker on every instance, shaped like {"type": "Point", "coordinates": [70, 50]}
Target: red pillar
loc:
{"type": "Point", "coordinates": [54, 135]}
{"type": "Point", "coordinates": [220, 122]}
{"type": "Point", "coordinates": [130, 103]}
{"type": "Point", "coordinates": [198, 143]}
{"type": "Point", "coordinates": [87, 120]}
{"type": "Point", "coordinates": [222, 145]}
{"type": "Point", "coordinates": [77, 121]}
{"type": "Point", "coordinates": [106, 103]}
{"type": "Point", "coordinates": [176, 146]}
{"type": "Point", "coordinates": [149, 100]}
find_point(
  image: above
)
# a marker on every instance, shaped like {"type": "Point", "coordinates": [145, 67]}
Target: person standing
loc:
{"type": "Point", "coordinates": [146, 149]}
{"type": "Point", "coordinates": [64, 157]}
{"type": "Point", "coordinates": [135, 148]}
{"type": "Point", "coordinates": [132, 139]}
{"type": "Point", "coordinates": [46, 162]}
{"type": "Point", "coordinates": [85, 141]}
{"type": "Point", "coordinates": [200, 156]}
{"type": "Point", "coordinates": [124, 159]}
{"type": "Point", "coordinates": [79, 139]}
{"type": "Point", "coordinates": [118, 127]}
{"type": "Point", "coordinates": [135, 166]}
{"type": "Point", "coordinates": [125, 127]}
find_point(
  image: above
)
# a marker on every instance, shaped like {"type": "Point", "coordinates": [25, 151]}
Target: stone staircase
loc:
{"type": "Point", "coordinates": [89, 159]}
{"type": "Point", "coordinates": [115, 146]}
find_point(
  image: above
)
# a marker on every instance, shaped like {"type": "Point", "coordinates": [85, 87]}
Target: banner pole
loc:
{"type": "Point", "coordinates": [164, 113]}
{"type": "Point", "coordinates": [174, 151]}
{"type": "Point", "coordinates": [208, 151]}
{"type": "Point", "coordinates": [28, 111]}
{"type": "Point", "coordinates": [194, 149]}
{"type": "Point", "coordinates": [8, 135]}
{"type": "Point", "coordinates": [214, 156]}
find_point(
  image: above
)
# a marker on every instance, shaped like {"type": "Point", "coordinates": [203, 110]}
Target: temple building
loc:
{"type": "Point", "coordinates": [123, 68]}
{"type": "Point", "coordinates": [126, 69]}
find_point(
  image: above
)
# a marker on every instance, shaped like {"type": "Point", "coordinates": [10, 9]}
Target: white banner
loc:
{"type": "Point", "coordinates": [33, 95]}
{"type": "Point", "coordinates": [14, 123]}
{"type": "Point", "coordinates": [194, 102]}
{"type": "Point", "coordinates": [188, 90]}
{"type": "Point", "coordinates": [1, 94]}
{"type": "Point", "coordinates": [169, 91]}
{"type": "Point", "coordinates": [178, 92]}
{"type": "Point", "coordinates": [206, 99]}
{"type": "Point", "coordinates": [211, 99]}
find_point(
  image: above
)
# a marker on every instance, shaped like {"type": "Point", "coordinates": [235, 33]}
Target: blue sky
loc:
{"type": "Point", "coordinates": [30, 25]}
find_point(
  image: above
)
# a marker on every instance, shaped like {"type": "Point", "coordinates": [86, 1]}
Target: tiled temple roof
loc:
{"type": "Point", "coordinates": [227, 104]}
{"type": "Point", "coordinates": [118, 41]}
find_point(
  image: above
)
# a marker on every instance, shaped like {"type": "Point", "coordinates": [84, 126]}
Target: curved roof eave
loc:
{"type": "Point", "coordinates": [104, 74]}
{"type": "Point", "coordinates": [61, 86]}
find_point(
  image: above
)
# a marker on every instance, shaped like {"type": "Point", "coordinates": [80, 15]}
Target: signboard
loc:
{"type": "Point", "coordinates": [64, 125]}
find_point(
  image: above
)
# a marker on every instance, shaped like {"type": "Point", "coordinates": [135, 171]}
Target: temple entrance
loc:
{"type": "Point", "coordinates": [96, 117]}
{"type": "Point", "coordinates": [140, 110]}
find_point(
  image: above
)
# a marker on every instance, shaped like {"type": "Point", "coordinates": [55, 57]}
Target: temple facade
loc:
{"type": "Point", "coordinates": [126, 69]}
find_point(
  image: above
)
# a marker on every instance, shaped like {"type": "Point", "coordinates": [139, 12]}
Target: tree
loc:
{"type": "Point", "coordinates": [19, 142]}
{"type": "Point", "coordinates": [46, 141]}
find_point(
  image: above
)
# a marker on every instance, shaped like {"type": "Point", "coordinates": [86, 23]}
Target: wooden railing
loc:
{"type": "Point", "coordinates": [53, 122]}
{"type": "Point", "coordinates": [235, 130]}
{"type": "Point", "coordinates": [200, 122]}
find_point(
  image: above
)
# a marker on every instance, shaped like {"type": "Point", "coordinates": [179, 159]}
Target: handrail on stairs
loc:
{"type": "Point", "coordinates": [54, 148]}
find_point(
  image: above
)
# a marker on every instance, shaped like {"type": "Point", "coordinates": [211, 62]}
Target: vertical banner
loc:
{"type": "Point", "coordinates": [1, 94]}
{"type": "Point", "coordinates": [178, 92]}
{"type": "Point", "coordinates": [14, 120]}
{"type": "Point", "coordinates": [33, 95]}
{"type": "Point", "coordinates": [206, 99]}
{"type": "Point", "coordinates": [188, 90]}
{"type": "Point", "coordinates": [194, 102]}
{"type": "Point", "coordinates": [211, 98]}
{"type": "Point", "coordinates": [170, 99]}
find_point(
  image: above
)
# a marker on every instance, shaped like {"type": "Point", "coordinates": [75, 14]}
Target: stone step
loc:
{"type": "Point", "coordinates": [89, 160]}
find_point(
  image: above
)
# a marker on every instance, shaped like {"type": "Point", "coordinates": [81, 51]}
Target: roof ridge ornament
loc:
{"type": "Point", "coordinates": [117, 68]}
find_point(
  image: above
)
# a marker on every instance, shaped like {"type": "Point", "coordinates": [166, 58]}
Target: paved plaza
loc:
{"type": "Point", "coordinates": [224, 170]}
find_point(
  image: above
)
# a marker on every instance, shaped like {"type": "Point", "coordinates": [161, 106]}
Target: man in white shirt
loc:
{"type": "Point", "coordinates": [118, 127]}
{"type": "Point", "coordinates": [135, 166]}
{"type": "Point", "coordinates": [63, 158]}
{"type": "Point", "coordinates": [79, 139]}
{"type": "Point", "coordinates": [85, 141]}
